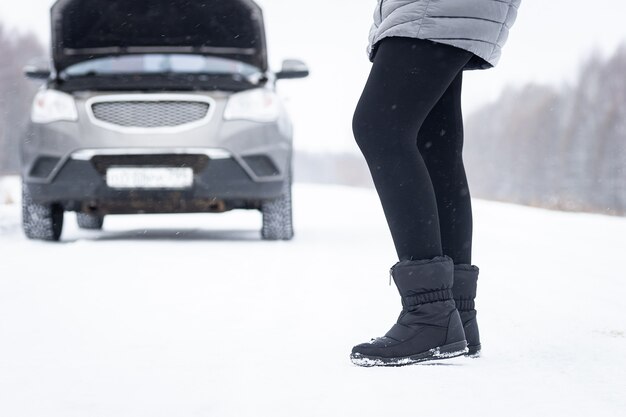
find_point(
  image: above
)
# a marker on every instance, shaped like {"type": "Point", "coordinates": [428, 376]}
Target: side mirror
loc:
{"type": "Point", "coordinates": [36, 72]}
{"type": "Point", "coordinates": [293, 68]}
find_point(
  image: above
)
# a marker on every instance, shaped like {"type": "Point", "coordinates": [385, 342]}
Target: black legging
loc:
{"type": "Point", "coordinates": [409, 126]}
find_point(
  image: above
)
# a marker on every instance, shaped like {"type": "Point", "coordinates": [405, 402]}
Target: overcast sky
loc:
{"type": "Point", "coordinates": [547, 44]}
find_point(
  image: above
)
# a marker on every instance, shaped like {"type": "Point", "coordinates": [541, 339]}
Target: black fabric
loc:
{"type": "Point", "coordinates": [427, 297]}
{"type": "Point", "coordinates": [429, 318]}
{"type": "Point", "coordinates": [464, 291]}
{"type": "Point", "coordinates": [465, 282]}
{"type": "Point", "coordinates": [424, 281]}
{"type": "Point", "coordinates": [464, 305]}
{"type": "Point", "coordinates": [424, 275]}
{"type": "Point", "coordinates": [408, 125]}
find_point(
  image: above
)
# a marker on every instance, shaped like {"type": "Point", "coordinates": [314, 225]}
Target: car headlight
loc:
{"type": "Point", "coordinates": [258, 105]}
{"type": "Point", "coordinates": [53, 106]}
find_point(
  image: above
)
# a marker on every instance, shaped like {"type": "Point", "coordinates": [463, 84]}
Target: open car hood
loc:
{"type": "Point", "coordinates": [88, 29]}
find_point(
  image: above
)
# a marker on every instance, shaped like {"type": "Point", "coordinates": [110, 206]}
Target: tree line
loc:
{"type": "Point", "coordinates": [16, 93]}
{"type": "Point", "coordinates": [560, 148]}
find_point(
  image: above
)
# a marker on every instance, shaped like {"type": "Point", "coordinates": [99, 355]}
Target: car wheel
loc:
{"type": "Point", "coordinates": [41, 221]}
{"type": "Point", "coordinates": [277, 216]}
{"type": "Point", "coordinates": [89, 221]}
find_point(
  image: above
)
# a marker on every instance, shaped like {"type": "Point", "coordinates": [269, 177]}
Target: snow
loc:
{"type": "Point", "coordinates": [10, 189]}
{"type": "Point", "coordinates": [193, 315]}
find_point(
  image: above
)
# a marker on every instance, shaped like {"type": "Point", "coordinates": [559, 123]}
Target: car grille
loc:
{"type": "Point", "coordinates": [196, 162]}
{"type": "Point", "coordinates": [150, 114]}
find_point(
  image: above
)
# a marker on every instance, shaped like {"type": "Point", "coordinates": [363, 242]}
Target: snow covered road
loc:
{"type": "Point", "coordinates": [193, 315]}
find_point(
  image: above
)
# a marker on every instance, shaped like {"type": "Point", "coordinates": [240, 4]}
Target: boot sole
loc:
{"type": "Point", "coordinates": [452, 350]}
{"type": "Point", "coordinates": [473, 351]}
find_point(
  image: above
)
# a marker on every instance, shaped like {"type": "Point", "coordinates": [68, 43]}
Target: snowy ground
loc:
{"type": "Point", "coordinates": [194, 316]}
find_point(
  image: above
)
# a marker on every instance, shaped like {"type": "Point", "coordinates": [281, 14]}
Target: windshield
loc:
{"type": "Point", "coordinates": [161, 64]}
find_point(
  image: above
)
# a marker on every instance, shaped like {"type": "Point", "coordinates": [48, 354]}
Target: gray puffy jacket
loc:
{"type": "Point", "coordinates": [479, 26]}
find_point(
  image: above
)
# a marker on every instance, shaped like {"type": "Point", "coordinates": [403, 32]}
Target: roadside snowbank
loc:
{"type": "Point", "coordinates": [10, 190]}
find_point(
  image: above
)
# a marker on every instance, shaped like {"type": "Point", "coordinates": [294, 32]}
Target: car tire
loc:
{"type": "Point", "coordinates": [88, 221]}
{"type": "Point", "coordinates": [41, 221]}
{"type": "Point", "coordinates": [277, 216]}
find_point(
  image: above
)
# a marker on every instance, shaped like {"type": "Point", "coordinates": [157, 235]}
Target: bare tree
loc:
{"type": "Point", "coordinates": [562, 149]}
{"type": "Point", "coordinates": [16, 93]}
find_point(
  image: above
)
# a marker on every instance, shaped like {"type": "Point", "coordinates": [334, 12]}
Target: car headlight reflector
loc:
{"type": "Point", "coordinates": [259, 105]}
{"type": "Point", "coordinates": [53, 106]}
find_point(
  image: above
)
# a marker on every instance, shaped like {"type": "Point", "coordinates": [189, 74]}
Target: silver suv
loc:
{"type": "Point", "coordinates": [157, 107]}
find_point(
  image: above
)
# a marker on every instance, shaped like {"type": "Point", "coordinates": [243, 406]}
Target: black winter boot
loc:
{"type": "Point", "coordinates": [429, 326]}
{"type": "Point", "coordinates": [464, 289]}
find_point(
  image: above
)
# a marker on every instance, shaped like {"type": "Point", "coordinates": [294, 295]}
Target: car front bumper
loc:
{"type": "Point", "coordinates": [220, 182]}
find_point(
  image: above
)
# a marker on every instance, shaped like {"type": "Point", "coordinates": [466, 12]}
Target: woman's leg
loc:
{"type": "Point", "coordinates": [440, 142]}
{"type": "Point", "coordinates": [408, 78]}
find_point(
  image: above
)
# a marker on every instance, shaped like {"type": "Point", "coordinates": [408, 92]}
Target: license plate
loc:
{"type": "Point", "coordinates": [128, 177]}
